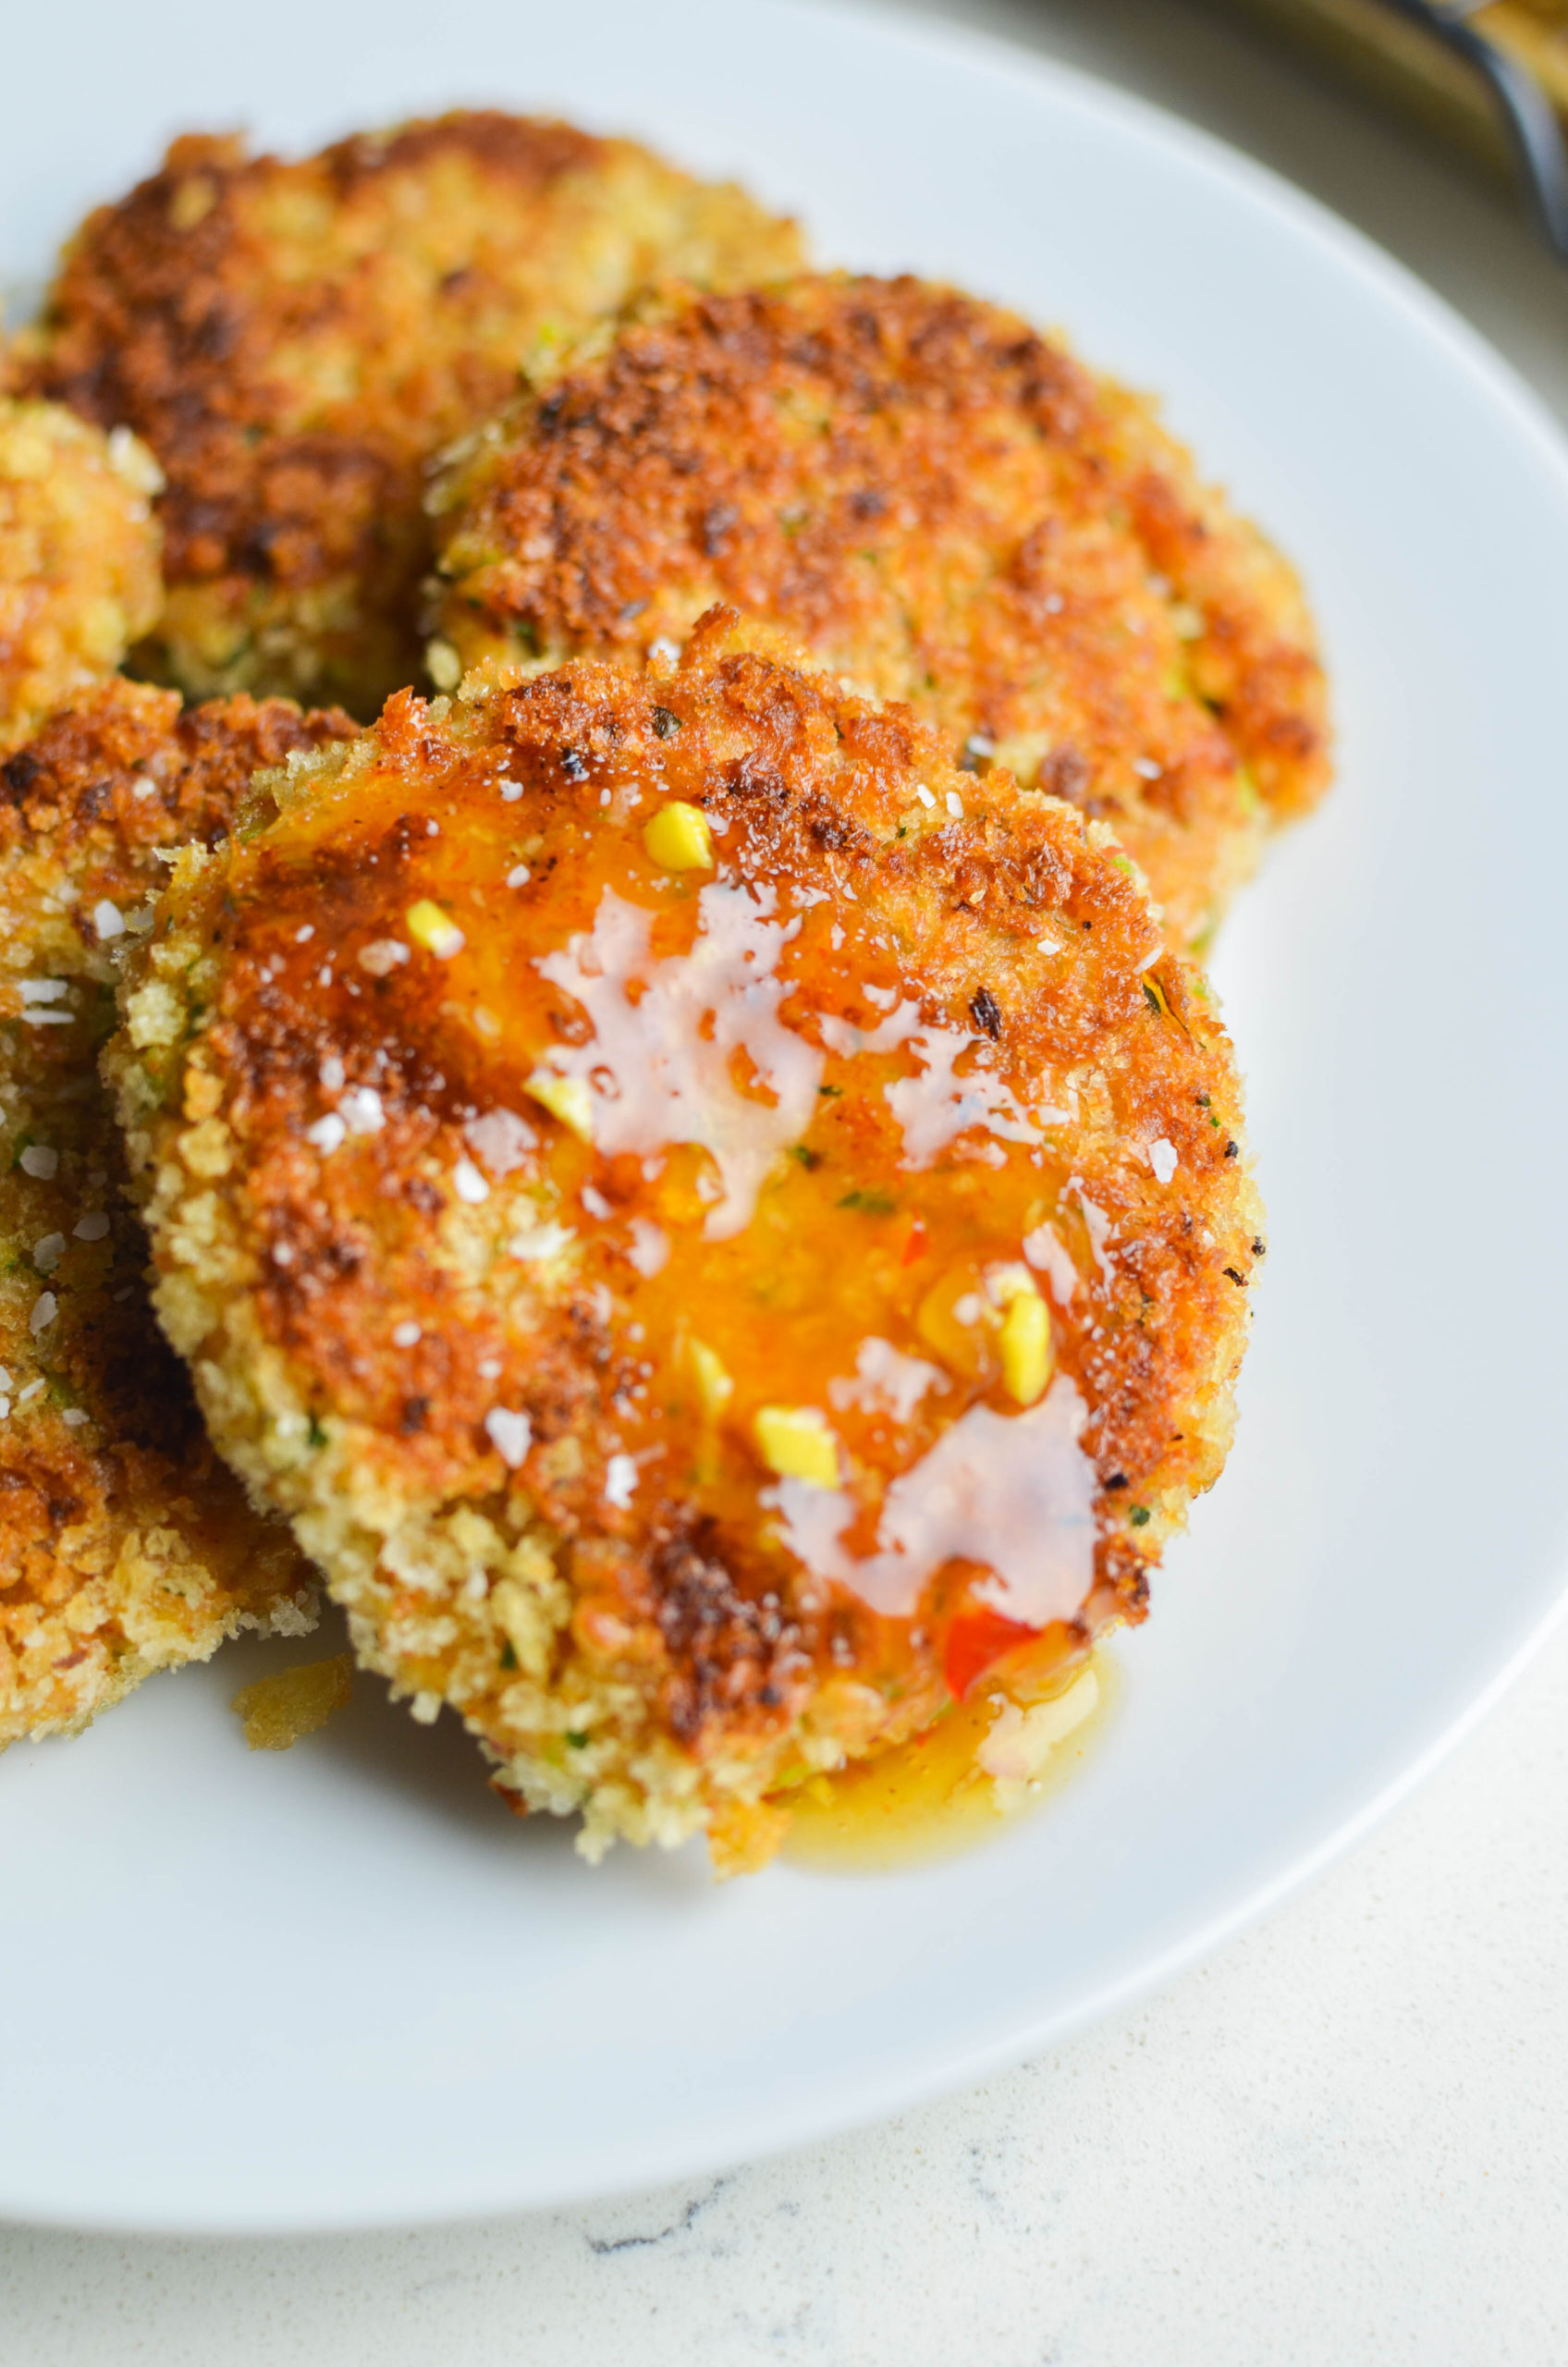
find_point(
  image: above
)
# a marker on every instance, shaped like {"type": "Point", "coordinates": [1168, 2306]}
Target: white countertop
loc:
{"type": "Point", "coordinates": [1344, 2143]}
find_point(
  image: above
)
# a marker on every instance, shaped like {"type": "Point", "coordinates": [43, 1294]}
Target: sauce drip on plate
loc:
{"type": "Point", "coordinates": [961, 1784]}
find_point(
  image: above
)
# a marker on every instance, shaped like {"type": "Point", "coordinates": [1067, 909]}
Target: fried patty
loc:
{"type": "Point", "coordinates": [79, 559]}
{"type": "Point", "coordinates": [718, 1227]}
{"type": "Point", "coordinates": [294, 340]}
{"type": "Point", "coordinates": [125, 1546]}
{"type": "Point", "coordinates": [944, 506]}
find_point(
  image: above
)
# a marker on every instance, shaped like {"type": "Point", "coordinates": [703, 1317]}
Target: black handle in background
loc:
{"type": "Point", "coordinates": [1530, 119]}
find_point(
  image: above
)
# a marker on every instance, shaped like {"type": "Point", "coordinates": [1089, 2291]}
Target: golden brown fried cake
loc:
{"type": "Point", "coordinates": [294, 340]}
{"type": "Point", "coordinates": [125, 1546]}
{"type": "Point", "coordinates": [717, 1226]}
{"type": "Point", "coordinates": [78, 558]}
{"type": "Point", "coordinates": [946, 509]}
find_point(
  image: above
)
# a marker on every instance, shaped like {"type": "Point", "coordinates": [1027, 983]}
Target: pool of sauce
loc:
{"type": "Point", "coordinates": [934, 1797]}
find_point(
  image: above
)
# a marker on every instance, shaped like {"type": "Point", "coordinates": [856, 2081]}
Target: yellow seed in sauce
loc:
{"type": "Point", "coordinates": [714, 1386]}
{"type": "Point", "coordinates": [1026, 1340]}
{"type": "Point", "coordinates": [433, 928]}
{"type": "Point", "coordinates": [797, 1443]}
{"type": "Point", "coordinates": [957, 1320]}
{"type": "Point", "coordinates": [679, 837]}
{"type": "Point", "coordinates": [566, 1098]}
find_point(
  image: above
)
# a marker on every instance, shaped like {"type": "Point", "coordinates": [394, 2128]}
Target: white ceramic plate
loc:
{"type": "Point", "coordinates": [342, 1987]}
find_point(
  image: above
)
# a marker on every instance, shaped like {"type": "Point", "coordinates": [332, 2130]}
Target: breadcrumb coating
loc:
{"type": "Point", "coordinates": [126, 1545]}
{"type": "Point", "coordinates": [944, 506]}
{"type": "Point", "coordinates": [718, 1227]}
{"type": "Point", "coordinates": [294, 340]}
{"type": "Point", "coordinates": [79, 559]}
{"type": "Point", "coordinates": [280, 1710]}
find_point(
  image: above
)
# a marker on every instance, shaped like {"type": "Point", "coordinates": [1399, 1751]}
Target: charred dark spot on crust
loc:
{"type": "Point", "coordinates": [413, 1416]}
{"type": "Point", "coordinates": [986, 1013]}
{"type": "Point", "coordinates": [836, 831]}
{"type": "Point", "coordinates": [1066, 772]}
{"type": "Point", "coordinates": [730, 1655]}
{"type": "Point", "coordinates": [590, 1332]}
{"type": "Point", "coordinates": [755, 776]}
{"type": "Point", "coordinates": [20, 771]}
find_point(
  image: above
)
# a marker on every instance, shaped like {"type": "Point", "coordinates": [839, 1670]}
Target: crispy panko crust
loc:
{"type": "Point", "coordinates": [125, 1546]}
{"type": "Point", "coordinates": [941, 504]}
{"type": "Point", "coordinates": [295, 339]}
{"type": "Point", "coordinates": [79, 559]}
{"type": "Point", "coordinates": [615, 1268]}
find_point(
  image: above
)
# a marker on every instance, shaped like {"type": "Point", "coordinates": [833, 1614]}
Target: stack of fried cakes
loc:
{"type": "Point", "coordinates": [671, 1146]}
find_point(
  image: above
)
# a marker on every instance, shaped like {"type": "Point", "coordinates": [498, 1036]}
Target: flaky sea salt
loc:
{"type": "Point", "coordinates": [361, 1109]}
{"type": "Point", "coordinates": [650, 1247]}
{"type": "Point", "coordinates": [621, 1480]}
{"type": "Point", "coordinates": [501, 1139]}
{"type": "Point", "coordinates": [540, 1240]}
{"type": "Point", "coordinates": [382, 956]}
{"type": "Point", "coordinates": [509, 1434]}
